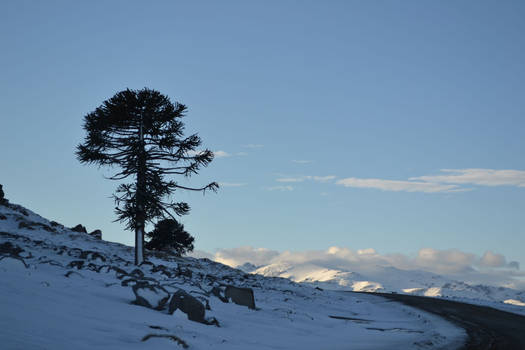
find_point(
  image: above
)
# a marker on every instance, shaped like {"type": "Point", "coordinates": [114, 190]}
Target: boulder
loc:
{"type": "Point", "coordinates": [96, 234]}
{"type": "Point", "coordinates": [150, 295]}
{"type": "Point", "coordinates": [2, 199]}
{"type": "Point", "coordinates": [240, 296]}
{"type": "Point", "coordinates": [79, 228]}
{"type": "Point", "coordinates": [216, 291]}
{"type": "Point", "coordinates": [187, 304]}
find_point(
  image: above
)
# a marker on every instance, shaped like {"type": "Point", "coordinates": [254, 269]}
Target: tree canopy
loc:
{"type": "Point", "coordinates": [140, 133]}
{"type": "Point", "coordinates": [169, 235]}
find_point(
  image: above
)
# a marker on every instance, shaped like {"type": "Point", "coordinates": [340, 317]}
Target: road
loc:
{"type": "Point", "coordinates": [487, 328]}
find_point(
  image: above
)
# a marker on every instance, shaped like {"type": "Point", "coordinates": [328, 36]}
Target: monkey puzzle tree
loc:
{"type": "Point", "coordinates": [141, 133]}
{"type": "Point", "coordinates": [170, 235]}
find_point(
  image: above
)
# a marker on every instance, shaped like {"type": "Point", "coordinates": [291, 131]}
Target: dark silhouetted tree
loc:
{"type": "Point", "coordinates": [140, 132]}
{"type": "Point", "coordinates": [169, 235]}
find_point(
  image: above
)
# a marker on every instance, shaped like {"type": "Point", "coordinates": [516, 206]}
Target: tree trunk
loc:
{"type": "Point", "coordinates": [140, 216]}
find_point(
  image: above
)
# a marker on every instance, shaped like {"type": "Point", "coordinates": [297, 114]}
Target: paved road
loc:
{"type": "Point", "coordinates": [487, 328]}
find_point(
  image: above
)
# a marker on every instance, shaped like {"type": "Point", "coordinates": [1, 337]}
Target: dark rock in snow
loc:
{"type": "Point", "coordinates": [76, 264]}
{"type": "Point", "coordinates": [79, 228]}
{"type": "Point", "coordinates": [187, 304]}
{"type": "Point", "coordinates": [216, 291]}
{"type": "Point", "coordinates": [96, 234]}
{"type": "Point", "coordinates": [3, 217]}
{"type": "Point", "coordinates": [25, 224]}
{"type": "Point", "coordinates": [2, 198]}
{"type": "Point", "coordinates": [91, 255]}
{"type": "Point", "coordinates": [10, 249]}
{"type": "Point", "coordinates": [240, 296]}
{"type": "Point", "coordinates": [150, 295]}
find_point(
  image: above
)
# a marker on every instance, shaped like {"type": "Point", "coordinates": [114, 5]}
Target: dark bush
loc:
{"type": "Point", "coordinates": [169, 235]}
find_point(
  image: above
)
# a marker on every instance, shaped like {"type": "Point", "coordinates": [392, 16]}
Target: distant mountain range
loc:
{"type": "Point", "coordinates": [388, 279]}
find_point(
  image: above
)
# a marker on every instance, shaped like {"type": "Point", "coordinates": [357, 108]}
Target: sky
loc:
{"type": "Point", "coordinates": [396, 126]}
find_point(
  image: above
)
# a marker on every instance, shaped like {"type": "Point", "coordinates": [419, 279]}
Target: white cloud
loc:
{"type": "Point", "coordinates": [253, 145]}
{"type": "Point", "coordinates": [231, 184]}
{"type": "Point", "coordinates": [490, 268]}
{"type": "Point", "coordinates": [321, 178]}
{"type": "Point", "coordinates": [302, 161]}
{"type": "Point", "coordinates": [256, 256]}
{"type": "Point", "coordinates": [221, 154]}
{"type": "Point", "coordinates": [450, 181]}
{"type": "Point", "coordinates": [280, 188]}
{"type": "Point", "coordinates": [290, 179]}
{"type": "Point", "coordinates": [491, 259]}
{"type": "Point", "coordinates": [217, 154]}
{"type": "Point", "coordinates": [303, 178]}
{"type": "Point", "coordinates": [395, 185]}
{"type": "Point", "coordinates": [481, 177]}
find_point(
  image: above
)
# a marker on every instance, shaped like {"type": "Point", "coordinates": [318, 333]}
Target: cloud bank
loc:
{"type": "Point", "coordinates": [490, 267]}
{"type": "Point", "coordinates": [451, 180]}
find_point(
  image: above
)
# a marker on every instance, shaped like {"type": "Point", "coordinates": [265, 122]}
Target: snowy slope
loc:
{"type": "Point", "coordinates": [66, 290]}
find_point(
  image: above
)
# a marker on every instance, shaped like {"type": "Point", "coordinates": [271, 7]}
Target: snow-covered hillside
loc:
{"type": "Point", "coordinates": [68, 290]}
{"type": "Point", "coordinates": [391, 279]}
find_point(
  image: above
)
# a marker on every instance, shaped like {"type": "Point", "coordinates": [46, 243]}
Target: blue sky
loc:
{"type": "Point", "coordinates": [303, 98]}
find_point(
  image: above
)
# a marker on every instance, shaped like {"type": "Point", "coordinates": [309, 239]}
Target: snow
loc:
{"type": "Point", "coordinates": [390, 279]}
{"type": "Point", "coordinates": [54, 304]}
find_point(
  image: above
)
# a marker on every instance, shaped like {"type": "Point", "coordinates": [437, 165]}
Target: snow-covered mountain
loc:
{"type": "Point", "coordinates": [64, 289]}
{"type": "Point", "coordinates": [390, 279]}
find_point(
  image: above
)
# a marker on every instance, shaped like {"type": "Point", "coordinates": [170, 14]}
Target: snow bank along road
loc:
{"type": "Point", "coordinates": [487, 328]}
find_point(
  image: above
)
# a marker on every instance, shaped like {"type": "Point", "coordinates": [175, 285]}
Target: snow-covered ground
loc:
{"type": "Point", "coordinates": [67, 290]}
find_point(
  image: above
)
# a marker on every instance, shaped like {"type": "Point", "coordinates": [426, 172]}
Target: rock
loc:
{"type": "Point", "coordinates": [79, 228]}
{"type": "Point", "coordinates": [96, 234]}
{"type": "Point", "coordinates": [184, 272]}
{"type": "Point", "coordinates": [3, 217]}
{"type": "Point", "coordinates": [150, 295]}
{"type": "Point", "coordinates": [240, 296]}
{"type": "Point", "coordinates": [10, 249]}
{"type": "Point", "coordinates": [25, 224]}
{"type": "Point", "coordinates": [2, 198]}
{"type": "Point", "coordinates": [76, 264]}
{"type": "Point", "coordinates": [187, 304]}
{"type": "Point", "coordinates": [92, 255]}
{"type": "Point", "coordinates": [137, 273]}
{"type": "Point", "coordinates": [216, 291]}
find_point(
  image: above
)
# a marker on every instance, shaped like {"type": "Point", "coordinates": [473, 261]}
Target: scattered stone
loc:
{"type": "Point", "coordinates": [150, 295]}
{"type": "Point", "coordinates": [96, 234]}
{"type": "Point", "coordinates": [26, 225]}
{"type": "Point", "coordinates": [3, 217]}
{"type": "Point", "coordinates": [10, 249]}
{"type": "Point", "coordinates": [216, 291]}
{"type": "Point", "coordinates": [55, 224]}
{"type": "Point", "coordinates": [240, 296]}
{"type": "Point", "coordinates": [187, 304]}
{"type": "Point", "coordinates": [168, 336]}
{"type": "Point", "coordinates": [91, 255]}
{"type": "Point", "coordinates": [137, 273]}
{"type": "Point", "coordinates": [76, 264]}
{"type": "Point", "coordinates": [79, 228]}
{"type": "Point", "coordinates": [184, 272]}
{"type": "Point", "coordinates": [74, 273]}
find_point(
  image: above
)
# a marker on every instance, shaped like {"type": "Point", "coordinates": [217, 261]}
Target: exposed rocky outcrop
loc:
{"type": "Point", "coordinates": [187, 304]}
{"type": "Point", "coordinates": [79, 228]}
{"type": "Point", "coordinates": [240, 296]}
{"type": "Point", "coordinates": [96, 234]}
